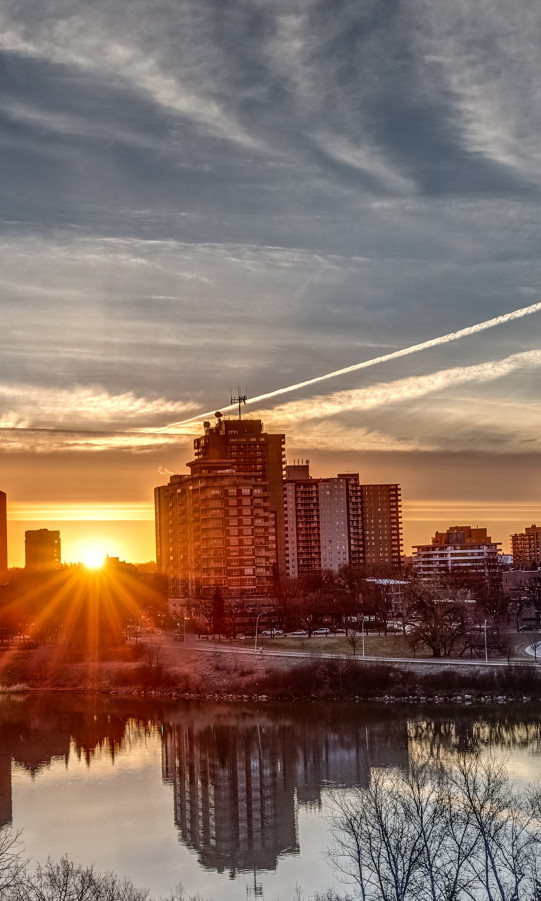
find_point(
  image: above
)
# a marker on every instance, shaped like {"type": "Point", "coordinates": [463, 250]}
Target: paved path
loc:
{"type": "Point", "coordinates": [222, 648]}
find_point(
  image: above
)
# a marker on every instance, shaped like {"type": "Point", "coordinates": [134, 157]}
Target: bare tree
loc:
{"type": "Point", "coordinates": [439, 623]}
{"type": "Point", "coordinates": [536, 646]}
{"type": "Point", "coordinates": [504, 824]}
{"type": "Point", "coordinates": [353, 637]}
{"type": "Point", "coordinates": [374, 842]}
{"type": "Point", "coordinates": [151, 653]}
{"type": "Point", "coordinates": [452, 832]}
{"type": "Point", "coordinates": [64, 881]}
{"type": "Point", "coordinates": [234, 608]}
{"type": "Point", "coordinates": [12, 863]}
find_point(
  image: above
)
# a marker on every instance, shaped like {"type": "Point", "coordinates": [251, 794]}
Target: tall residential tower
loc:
{"type": "Point", "coordinates": [3, 533]}
{"type": "Point", "coordinates": [331, 522]}
{"type": "Point", "coordinates": [222, 526]}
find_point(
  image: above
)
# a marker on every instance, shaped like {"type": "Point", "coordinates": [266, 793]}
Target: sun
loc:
{"type": "Point", "coordinates": [93, 558]}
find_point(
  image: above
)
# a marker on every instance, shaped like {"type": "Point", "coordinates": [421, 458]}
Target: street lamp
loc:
{"type": "Point", "coordinates": [256, 625]}
{"type": "Point", "coordinates": [362, 632]}
{"type": "Point", "coordinates": [486, 647]}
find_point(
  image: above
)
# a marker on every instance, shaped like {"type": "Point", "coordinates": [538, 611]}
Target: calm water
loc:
{"type": "Point", "coordinates": [230, 801]}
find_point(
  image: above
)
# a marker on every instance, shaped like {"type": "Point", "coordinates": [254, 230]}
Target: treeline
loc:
{"type": "Point", "coordinates": [461, 613]}
{"type": "Point", "coordinates": [63, 880]}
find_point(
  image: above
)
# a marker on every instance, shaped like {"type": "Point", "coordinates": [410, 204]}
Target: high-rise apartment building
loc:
{"type": "Point", "coordinates": [161, 524]}
{"type": "Point", "coordinates": [3, 533]}
{"type": "Point", "coordinates": [526, 548]}
{"type": "Point", "coordinates": [331, 522]}
{"type": "Point", "coordinates": [223, 525]}
{"type": "Point", "coordinates": [42, 549]}
{"type": "Point", "coordinates": [382, 524]}
{"type": "Point", "coordinates": [254, 453]}
{"type": "Point", "coordinates": [459, 548]}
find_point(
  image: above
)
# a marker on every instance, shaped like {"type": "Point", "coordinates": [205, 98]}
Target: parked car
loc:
{"type": "Point", "coordinates": [320, 632]}
{"type": "Point", "coordinates": [298, 633]}
{"type": "Point", "coordinates": [272, 632]}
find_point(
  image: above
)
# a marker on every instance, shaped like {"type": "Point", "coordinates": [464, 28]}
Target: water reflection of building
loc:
{"type": "Point", "coordinates": [36, 732]}
{"type": "Point", "coordinates": [345, 758]}
{"type": "Point", "coordinates": [237, 782]}
{"type": "Point", "coordinates": [234, 797]}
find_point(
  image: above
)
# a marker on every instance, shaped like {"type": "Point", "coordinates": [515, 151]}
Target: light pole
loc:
{"type": "Point", "coordinates": [184, 629]}
{"type": "Point", "coordinates": [362, 632]}
{"type": "Point", "coordinates": [486, 647]}
{"type": "Point", "coordinates": [256, 625]}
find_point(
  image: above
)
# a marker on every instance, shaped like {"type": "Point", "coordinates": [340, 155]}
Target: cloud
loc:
{"type": "Point", "coordinates": [367, 159]}
{"type": "Point", "coordinates": [87, 41]}
{"type": "Point", "coordinates": [200, 196]}
{"type": "Point", "coordinates": [331, 436]}
{"type": "Point", "coordinates": [479, 373]}
{"type": "Point", "coordinates": [25, 511]}
{"type": "Point", "coordinates": [34, 405]}
{"type": "Point", "coordinates": [487, 55]}
{"type": "Point", "coordinates": [99, 421]}
{"type": "Point", "coordinates": [400, 391]}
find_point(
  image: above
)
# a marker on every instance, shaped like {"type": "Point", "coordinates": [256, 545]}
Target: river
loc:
{"type": "Point", "coordinates": [230, 800]}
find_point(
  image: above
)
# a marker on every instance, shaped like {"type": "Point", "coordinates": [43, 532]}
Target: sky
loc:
{"type": "Point", "coordinates": [202, 196]}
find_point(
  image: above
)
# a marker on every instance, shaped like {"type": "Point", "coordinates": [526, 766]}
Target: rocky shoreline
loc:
{"type": "Point", "coordinates": [227, 678]}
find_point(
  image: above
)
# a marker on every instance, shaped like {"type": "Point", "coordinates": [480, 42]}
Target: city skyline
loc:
{"type": "Point", "coordinates": [199, 201]}
{"type": "Point", "coordinates": [93, 529]}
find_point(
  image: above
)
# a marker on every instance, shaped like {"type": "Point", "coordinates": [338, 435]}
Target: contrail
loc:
{"type": "Point", "coordinates": [394, 355]}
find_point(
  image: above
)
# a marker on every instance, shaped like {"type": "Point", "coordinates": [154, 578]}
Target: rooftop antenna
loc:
{"type": "Point", "coordinates": [240, 400]}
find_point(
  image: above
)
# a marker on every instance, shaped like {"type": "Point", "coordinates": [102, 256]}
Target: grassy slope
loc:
{"type": "Point", "coordinates": [227, 669]}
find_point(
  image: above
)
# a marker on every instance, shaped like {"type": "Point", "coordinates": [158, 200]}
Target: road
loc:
{"type": "Point", "coordinates": [223, 648]}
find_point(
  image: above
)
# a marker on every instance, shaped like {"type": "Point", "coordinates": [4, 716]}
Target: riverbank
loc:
{"type": "Point", "coordinates": [225, 674]}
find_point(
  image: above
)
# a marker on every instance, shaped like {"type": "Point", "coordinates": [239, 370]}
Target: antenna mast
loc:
{"type": "Point", "coordinates": [240, 400]}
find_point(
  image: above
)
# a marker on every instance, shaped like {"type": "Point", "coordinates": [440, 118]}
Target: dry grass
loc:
{"type": "Point", "coordinates": [201, 669]}
{"type": "Point", "coordinates": [392, 645]}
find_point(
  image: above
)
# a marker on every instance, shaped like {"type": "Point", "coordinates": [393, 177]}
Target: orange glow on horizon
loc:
{"type": "Point", "coordinates": [130, 540]}
{"type": "Point", "coordinates": [126, 530]}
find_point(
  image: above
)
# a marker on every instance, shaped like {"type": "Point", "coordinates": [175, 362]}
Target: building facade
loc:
{"type": "Point", "coordinates": [222, 526]}
{"type": "Point", "coordinates": [382, 524]}
{"type": "Point", "coordinates": [42, 549]}
{"type": "Point", "coordinates": [3, 533]}
{"type": "Point", "coordinates": [526, 548]}
{"type": "Point", "coordinates": [333, 522]}
{"type": "Point", "coordinates": [459, 548]}
{"type": "Point", "coordinates": [254, 453]}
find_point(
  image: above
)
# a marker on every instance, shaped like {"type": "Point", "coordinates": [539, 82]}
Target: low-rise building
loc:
{"type": "Point", "coordinates": [459, 548]}
{"type": "Point", "coordinates": [42, 549]}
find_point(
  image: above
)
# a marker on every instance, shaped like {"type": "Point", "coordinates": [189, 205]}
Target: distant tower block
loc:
{"type": "Point", "coordinates": [42, 549]}
{"type": "Point", "coordinates": [3, 533]}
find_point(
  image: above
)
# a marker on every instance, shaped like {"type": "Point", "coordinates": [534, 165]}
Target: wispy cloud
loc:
{"type": "Point", "coordinates": [408, 351]}
{"type": "Point", "coordinates": [32, 405]}
{"type": "Point", "coordinates": [198, 196]}
{"type": "Point", "coordinates": [21, 511]}
{"type": "Point", "coordinates": [323, 422]}
{"type": "Point", "coordinates": [400, 391]}
{"type": "Point", "coordinates": [488, 56]}
{"type": "Point", "coordinates": [90, 41]}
